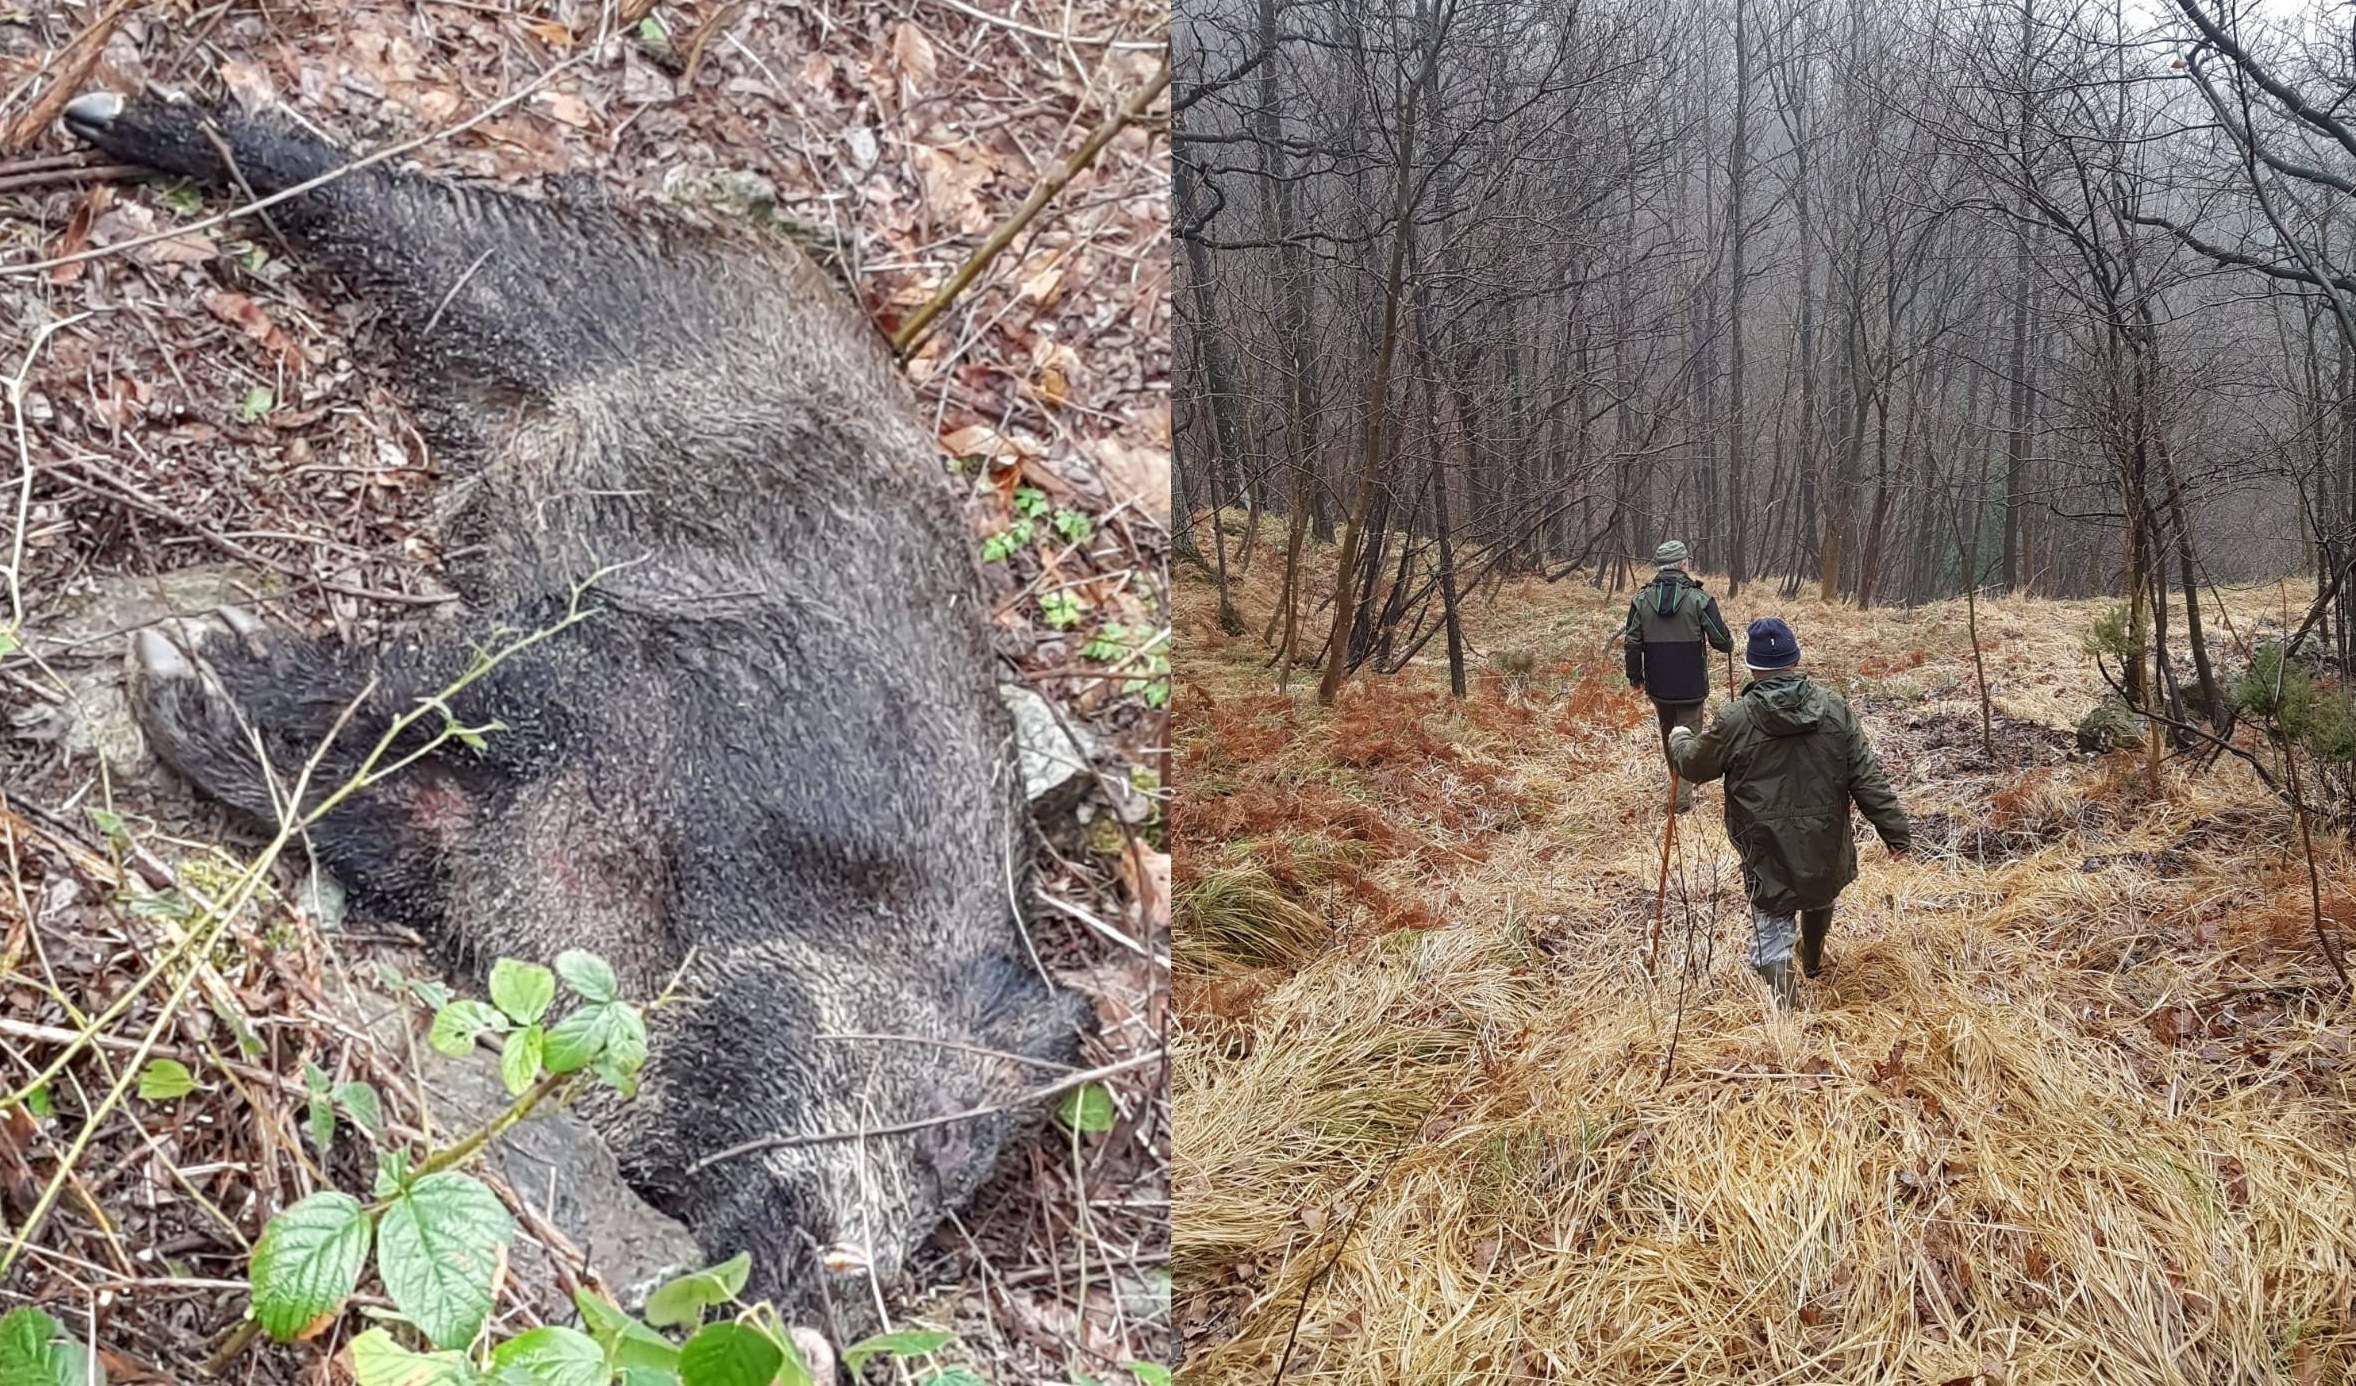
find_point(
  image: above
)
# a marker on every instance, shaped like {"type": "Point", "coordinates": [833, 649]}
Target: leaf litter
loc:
{"type": "Point", "coordinates": [213, 405]}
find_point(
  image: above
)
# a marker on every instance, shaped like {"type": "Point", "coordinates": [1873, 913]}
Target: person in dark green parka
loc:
{"type": "Point", "coordinates": [1794, 759]}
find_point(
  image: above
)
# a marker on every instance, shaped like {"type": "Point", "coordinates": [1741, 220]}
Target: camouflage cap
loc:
{"type": "Point", "coordinates": [1669, 554]}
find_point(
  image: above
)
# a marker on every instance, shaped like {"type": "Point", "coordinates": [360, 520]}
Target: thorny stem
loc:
{"type": "Point", "coordinates": [1130, 113]}
{"type": "Point", "coordinates": [561, 1087]}
{"type": "Point", "coordinates": [558, 1085]}
{"type": "Point", "coordinates": [236, 1343]}
{"type": "Point", "coordinates": [371, 773]}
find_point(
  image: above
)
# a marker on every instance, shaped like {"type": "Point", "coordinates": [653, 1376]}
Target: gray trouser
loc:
{"type": "Point", "coordinates": [1772, 935]}
{"type": "Point", "coordinates": [1673, 716]}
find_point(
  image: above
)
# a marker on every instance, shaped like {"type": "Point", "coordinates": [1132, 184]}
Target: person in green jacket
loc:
{"type": "Point", "coordinates": [1794, 759]}
{"type": "Point", "coordinates": [1669, 620]}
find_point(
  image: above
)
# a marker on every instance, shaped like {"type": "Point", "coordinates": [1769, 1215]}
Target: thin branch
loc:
{"type": "Point", "coordinates": [1132, 111]}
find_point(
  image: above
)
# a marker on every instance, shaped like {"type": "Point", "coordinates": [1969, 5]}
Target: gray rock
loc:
{"type": "Point", "coordinates": [1049, 759]}
{"type": "Point", "coordinates": [89, 622]}
{"type": "Point", "coordinates": [82, 641]}
{"type": "Point", "coordinates": [322, 898]}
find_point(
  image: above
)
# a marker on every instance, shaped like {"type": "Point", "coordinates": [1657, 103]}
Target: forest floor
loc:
{"type": "Point", "coordinates": [184, 401]}
{"type": "Point", "coordinates": [2072, 1103]}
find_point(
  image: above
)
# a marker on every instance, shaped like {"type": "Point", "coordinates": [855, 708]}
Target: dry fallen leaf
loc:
{"type": "Point", "coordinates": [434, 104]}
{"type": "Point", "coordinates": [1132, 473]}
{"type": "Point", "coordinates": [1042, 287]}
{"type": "Point", "coordinates": [644, 84]}
{"type": "Point", "coordinates": [913, 53]}
{"type": "Point", "coordinates": [250, 83]}
{"type": "Point", "coordinates": [77, 235]}
{"type": "Point", "coordinates": [950, 179]}
{"type": "Point", "coordinates": [246, 315]}
{"type": "Point", "coordinates": [2174, 1024]}
{"type": "Point", "coordinates": [977, 440]}
{"type": "Point", "coordinates": [566, 108]}
{"type": "Point", "coordinates": [19, 1187]}
{"type": "Point", "coordinates": [1145, 876]}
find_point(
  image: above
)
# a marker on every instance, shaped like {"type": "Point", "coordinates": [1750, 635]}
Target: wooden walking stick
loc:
{"type": "Point", "coordinates": [1652, 954]}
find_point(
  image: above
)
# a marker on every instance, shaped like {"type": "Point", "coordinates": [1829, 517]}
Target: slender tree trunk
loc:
{"type": "Point", "coordinates": [1216, 379]}
{"type": "Point", "coordinates": [1737, 448]}
{"type": "Point", "coordinates": [1337, 661]}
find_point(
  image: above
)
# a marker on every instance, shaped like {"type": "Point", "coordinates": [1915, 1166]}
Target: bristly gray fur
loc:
{"type": "Point", "coordinates": [774, 755]}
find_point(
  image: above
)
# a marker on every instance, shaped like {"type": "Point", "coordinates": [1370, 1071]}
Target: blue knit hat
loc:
{"type": "Point", "coordinates": [1770, 645]}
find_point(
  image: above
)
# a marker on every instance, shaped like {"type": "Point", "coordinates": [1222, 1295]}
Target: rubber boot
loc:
{"type": "Point", "coordinates": [1814, 925]}
{"type": "Point", "coordinates": [1781, 981]}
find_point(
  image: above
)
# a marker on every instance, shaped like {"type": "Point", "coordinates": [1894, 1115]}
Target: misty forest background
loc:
{"type": "Point", "coordinates": [1876, 302]}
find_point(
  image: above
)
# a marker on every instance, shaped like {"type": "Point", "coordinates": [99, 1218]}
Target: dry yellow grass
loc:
{"type": "Point", "coordinates": [2072, 1105]}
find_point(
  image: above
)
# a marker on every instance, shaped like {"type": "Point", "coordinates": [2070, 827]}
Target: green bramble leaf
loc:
{"type": "Point", "coordinates": [908, 1342]}
{"type": "Point", "coordinates": [307, 1263]}
{"type": "Point", "coordinates": [519, 1059]}
{"type": "Point", "coordinates": [360, 1100]}
{"type": "Point", "coordinates": [319, 1123]}
{"type": "Point", "coordinates": [457, 1026]}
{"type": "Point", "coordinates": [1087, 1110]}
{"type": "Point", "coordinates": [521, 989]}
{"type": "Point", "coordinates": [573, 1042]}
{"type": "Point", "coordinates": [1108, 646]}
{"type": "Point", "coordinates": [319, 1116]}
{"type": "Point", "coordinates": [35, 1350]}
{"type": "Point", "coordinates": [392, 1172]}
{"type": "Point", "coordinates": [110, 824]}
{"type": "Point", "coordinates": [589, 975]}
{"type": "Point", "coordinates": [1061, 609]}
{"type": "Point", "coordinates": [681, 1302]}
{"type": "Point", "coordinates": [629, 1344]}
{"type": "Point", "coordinates": [163, 1080]}
{"type": "Point", "coordinates": [550, 1356]}
{"type": "Point", "coordinates": [438, 1249]}
{"type": "Point", "coordinates": [379, 1361]}
{"type": "Point", "coordinates": [730, 1354]}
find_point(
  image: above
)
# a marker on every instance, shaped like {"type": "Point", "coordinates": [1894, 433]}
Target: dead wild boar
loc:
{"type": "Point", "coordinates": [774, 753]}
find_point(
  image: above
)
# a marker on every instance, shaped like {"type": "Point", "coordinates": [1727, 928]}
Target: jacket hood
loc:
{"type": "Point", "coordinates": [1787, 704]}
{"type": "Point", "coordinates": [1668, 585]}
